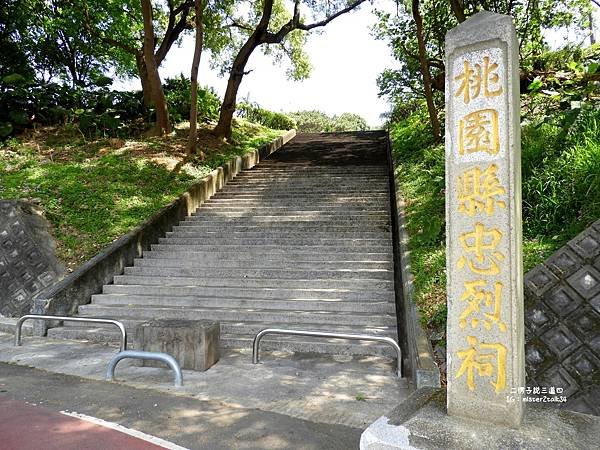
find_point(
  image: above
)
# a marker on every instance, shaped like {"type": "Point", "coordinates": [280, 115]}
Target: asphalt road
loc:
{"type": "Point", "coordinates": [190, 423]}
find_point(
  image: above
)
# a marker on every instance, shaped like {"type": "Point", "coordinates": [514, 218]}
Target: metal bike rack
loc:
{"type": "Point", "coordinates": [356, 337]}
{"type": "Point", "coordinates": [155, 356]}
{"type": "Point", "coordinates": [71, 319]}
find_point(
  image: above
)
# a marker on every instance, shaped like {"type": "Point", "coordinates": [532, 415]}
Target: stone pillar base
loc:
{"type": "Point", "coordinates": [421, 422]}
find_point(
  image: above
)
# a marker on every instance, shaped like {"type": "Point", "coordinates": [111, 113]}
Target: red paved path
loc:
{"type": "Point", "coordinates": [27, 427]}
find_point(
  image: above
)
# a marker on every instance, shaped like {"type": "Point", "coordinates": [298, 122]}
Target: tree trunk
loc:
{"type": "Point", "coordinates": [199, 7]}
{"type": "Point", "coordinates": [144, 79]}
{"type": "Point", "coordinates": [223, 128]}
{"type": "Point", "coordinates": [458, 10]}
{"type": "Point", "coordinates": [424, 64]}
{"type": "Point", "coordinates": [163, 125]}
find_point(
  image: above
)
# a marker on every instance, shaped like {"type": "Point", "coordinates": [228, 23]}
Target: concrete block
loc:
{"type": "Point", "coordinates": [193, 343]}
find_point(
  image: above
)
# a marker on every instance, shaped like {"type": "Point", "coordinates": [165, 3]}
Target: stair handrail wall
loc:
{"type": "Point", "coordinates": [357, 337]}
{"type": "Point", "coordinates": [413, 339]}
{"type": "Point", "coordinates": [65, 297]}
{"type": "Point", "coordinates": [119, 325]}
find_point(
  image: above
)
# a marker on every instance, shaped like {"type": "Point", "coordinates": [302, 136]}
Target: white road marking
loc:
{"type": "Point", "coordinates": [115, 426]}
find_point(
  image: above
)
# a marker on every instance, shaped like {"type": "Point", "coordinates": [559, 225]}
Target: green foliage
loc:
{"type": "Point", "coordinates": [561, 193]}
{"type": "Point", "coordinates": [94, 112]}
{"type": "Point", "coordinates": [403, 84]}
{"type": "Point", "coordinates": [561, 189]}
{"type": "Point", "coordinates": [270, 119]}
{"type": "Point", "coordinates": [319, 122]}
{"type": "Point", "coordinates": [177, 93]}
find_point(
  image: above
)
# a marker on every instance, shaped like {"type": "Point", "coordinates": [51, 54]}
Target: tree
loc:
{"type": "Point", "coordinates": [163, 124]}
{"type": "Point", "coordinates": [416, 38]}
{"type": "Point", "coordinates": [199, 9]}
{"type": "Point", "coordinates": [121, 25]}
{"type": "Point", "coordinates": [424, 65]}
{"type": "Point", "coordinates": [273, 24]}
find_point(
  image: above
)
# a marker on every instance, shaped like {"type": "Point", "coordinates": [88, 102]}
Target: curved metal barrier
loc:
{"type": "Point", "coordinates": [71, 319]}
{"type": "Point", "coordinates": [136, 354]}
{"type": "Point", "coordinates": [356, 337]}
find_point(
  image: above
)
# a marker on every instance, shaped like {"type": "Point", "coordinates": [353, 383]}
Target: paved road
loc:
{"type": "Point", "coordinates": [185, 421]}
{"type": "Point", "coordinates": [24, 426]}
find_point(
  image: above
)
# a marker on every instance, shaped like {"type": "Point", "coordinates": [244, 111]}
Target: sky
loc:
{"type": "Point", "coordinates": [346, 60]}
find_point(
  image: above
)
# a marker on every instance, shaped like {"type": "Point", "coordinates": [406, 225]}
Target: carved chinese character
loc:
{"type": "Point", "coordinates": [478, 191]}
{"type": "Point", "coordinates": [474, 358]}
{"type": "Point", "coordinates": [478, 132]}
{"type": "Point", "coordinates": [473, 78]}
{"type": "Point", "coordinates": [476, 299]}
{"type": "Point", "coordinates": [479, 246]}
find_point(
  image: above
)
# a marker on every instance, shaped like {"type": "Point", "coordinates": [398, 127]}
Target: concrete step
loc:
{"type": "Point", "coordinates": [283, 196]}
{"type": "Point", "coordinates": [271, 249]}
{"type": "Point", "coordinates": [310, 185]}
{"type": "Point", "coordinates": [9, 325]}
{"type": "Point", "coordinates": [280, 274]}
{"type": "Point", "coordinates": [268, 212]}
{"type": "Point", "coordinates": [281, 191]}
{"type": "Point", "coordinates": [250, 329]}
{"type": "Point", "coordinates": [283, 227]}
{"type": "Point", "coordinates": [178, 261]}
{"type": "Point", "coordinates": [239, 314]}
{"type": "Point", "coordinates": [277, 233]}
{"type": "Point", "coordinates": [303, 344]}
{"type": "Point", "coordinates": [316, 283]}
{"type": "Point", "coordinates": [261, 209]}
{"type": "Point", "coordinates": [256, 256]}
{"type": "Point", "coordinates": [106, 335]}
{"type": "Point", "coordinates": [363, 222]}
{"type": "Point", "coordinates": [380, 202]}
{"type": "Point", "coordinates": [257, 293]}
{"type": "Point", "coordinates": [191, 238]}
{"type": "Point", "coordinates": [239, 302]}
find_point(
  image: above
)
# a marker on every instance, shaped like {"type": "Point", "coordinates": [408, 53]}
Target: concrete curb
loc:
{"type": "Point", "coordinates": [64, 297]}
{"type": "Point", "coordinates": [414, 341]}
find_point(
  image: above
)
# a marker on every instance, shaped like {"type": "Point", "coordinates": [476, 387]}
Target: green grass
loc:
{"type": "Point", "coordinates": [92, 193]}
{"type": "Point", "coordinates": [561, 196]}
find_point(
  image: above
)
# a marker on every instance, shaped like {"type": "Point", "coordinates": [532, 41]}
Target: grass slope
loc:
{"type": "Point", "coordinates": [561, 196]}
{"type": "Point", "coordinates": [95, 191]}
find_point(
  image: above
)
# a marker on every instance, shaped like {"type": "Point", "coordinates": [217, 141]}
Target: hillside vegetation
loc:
{"type": "Point", "coordinates": [560, 174]}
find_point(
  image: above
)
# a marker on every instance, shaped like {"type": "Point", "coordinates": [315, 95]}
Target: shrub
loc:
{"type": "Point", "coordinates": [177, 93]}
{"type": "Point", "coordinates": [270, 119]}
{"type": "Point", "coordinates": [319, 122]}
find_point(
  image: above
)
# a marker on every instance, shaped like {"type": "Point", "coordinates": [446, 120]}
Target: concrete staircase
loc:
{"type": "Point", "coordinates": [302, 241]}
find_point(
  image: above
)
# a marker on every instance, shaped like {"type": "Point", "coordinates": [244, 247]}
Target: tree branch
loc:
{"type": "Point", "coordinates": [324, 22]}
{"type": "Point", "coordinates": [295, 24]}
{"type": "Point", "coordinates": [173, 29]}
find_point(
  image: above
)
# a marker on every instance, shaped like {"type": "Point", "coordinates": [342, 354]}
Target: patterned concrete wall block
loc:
{"type": "Point", "coordinates": [539, 280]}
{"type": "Point", "coordinates": [564, 262]}
{"type": "Point", "coordinates": [587, 244]}
{"type": "Point", "coordinates": [586, 281]}
{"type": "Point", "coordinates": [563, 323]}
{"type": "Point", "coordinates": [561, 341]}
{"type": "Point", "coordinates": [27, 260]}
{"type": "Point", "coordinates": [582, 365]}
{"type": "Point", "coordinates": [562, 300]}
{"type": "Point", "coordinates": [538, 318]}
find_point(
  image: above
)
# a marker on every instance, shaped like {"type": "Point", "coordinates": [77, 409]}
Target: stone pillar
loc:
{"type": "Point", "coordinates": [483, 213]}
